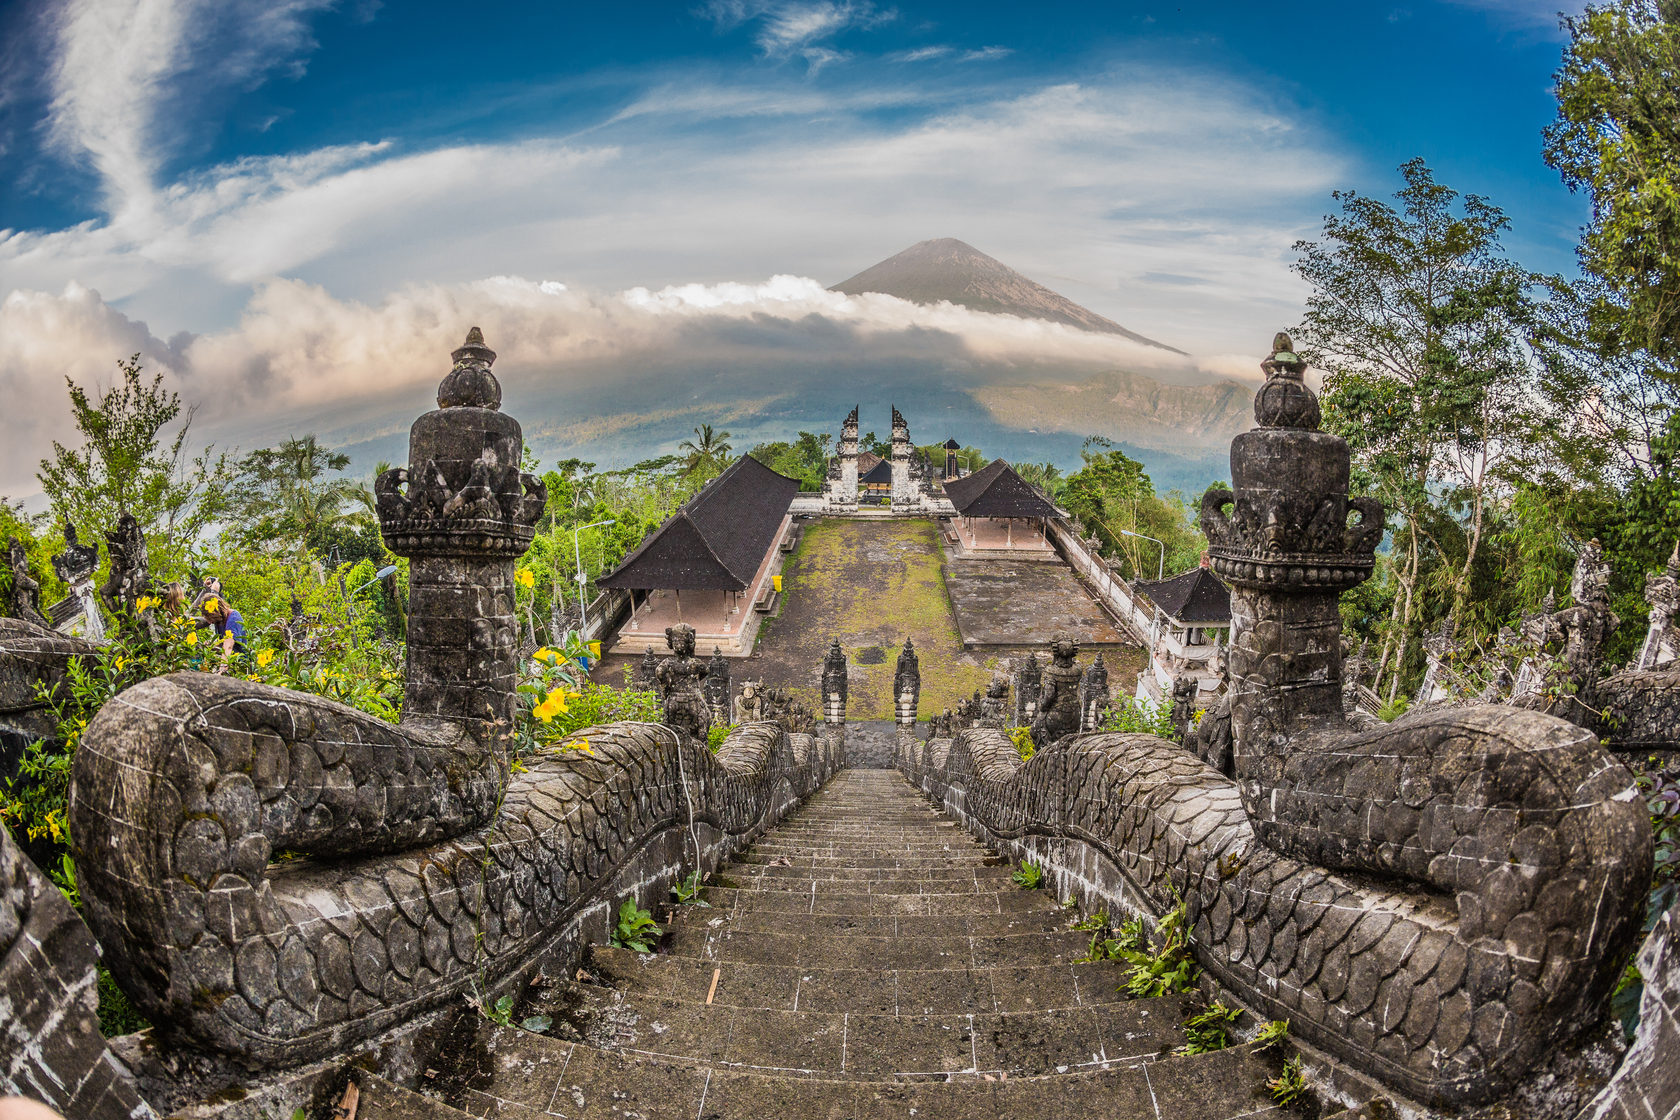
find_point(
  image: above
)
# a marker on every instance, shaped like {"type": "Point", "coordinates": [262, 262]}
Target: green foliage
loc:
{"type": "Point", "coordinates": [805, 459]}
{"type": "Point", "coordinates": [287, 499]}
{"type": "Point", "coordinates": [1289, 1086]}
{"type": "Point", "coordinates": [716, 734]}
{"type": "Point", "coordinates": [1614, 138]}
{"type": "Point", "coordinates": [1023, 740]}
{"type": "Point", "coordinates": [707, 454]}
{"type": "Point", "coordinates": [635, 928]}
{"type": "Point", "coordinates": [1274, 1033]}
{"type": "Point", "coordinates": [1112, 495]}
{"type": "Point", "coordinates": [1141, 717]}
{"type": "Point", "coordinates": [127, 463]}
{"type": "Point", "coordinates": [117, 1016]}
{"type": "Point", "coordinates": [1162, 964]}
{"type": "Point", "coordinates": [1392, 710]}
{"type": "Point", "coordinates": [1029, 876]}
{"type": "Point", "coordinates": [500, 1012]}
{"type": "Point", "coordinates": [1092, 923]}
{"type": "Point", "coordinates": [686, 892]}
{"type": "Point", "coordinates": [1209, 1029]}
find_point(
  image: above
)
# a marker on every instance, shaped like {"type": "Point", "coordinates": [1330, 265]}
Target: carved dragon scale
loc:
{"type": "Point", "coordinates": [1516, 850]}
{"type": "Point", "coordinates": [434, 873]}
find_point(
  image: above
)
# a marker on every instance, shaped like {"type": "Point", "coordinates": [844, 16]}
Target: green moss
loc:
{"type": "Point", "coordinates": [117, 1015]}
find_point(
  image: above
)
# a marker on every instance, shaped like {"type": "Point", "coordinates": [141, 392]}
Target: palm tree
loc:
{"type": "Point", "coordinates": [288, 495]}
{"type": "Point", "coordinates": [708, 454]}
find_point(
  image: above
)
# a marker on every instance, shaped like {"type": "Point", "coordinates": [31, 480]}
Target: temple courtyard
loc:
{"type": "Point", "coordinates": [871, 584]}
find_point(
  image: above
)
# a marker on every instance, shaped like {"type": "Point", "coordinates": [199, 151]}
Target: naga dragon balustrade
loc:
{"type": "Point", "coordinates": [1441, 901]}
{"type": "Point", "coordinates": [437, 875]}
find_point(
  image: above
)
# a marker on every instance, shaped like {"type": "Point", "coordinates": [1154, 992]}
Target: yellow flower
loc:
{"type": "Point", "coordinates": [545, 711]}
{"type": "Point", "coordinates": [583, 745]}
{"type": "Point", "coordinates": [264, 658]}
{"type": "Point", "coordinates": [121, 661]}
{"type": "Point", "coordinates": [211, 604]}
{"type": "Point", "coordinates": [192, 638]}
{"type": "Point", "coordinates": [55, 824]}
{"type": "Point", "coordinates": [518, 767]}
{"type": "Point", "coordinates": [526, 578]}
{"type": "Point", "coordinates": [147, 602]}
{"type": "Point", "coordinates": [543, 654]}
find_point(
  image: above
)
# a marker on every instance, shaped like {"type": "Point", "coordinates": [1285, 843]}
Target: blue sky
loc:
{"type": "Point", "coordinates": [290, 203]}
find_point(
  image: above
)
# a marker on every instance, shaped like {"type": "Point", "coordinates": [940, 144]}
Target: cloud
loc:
{"type": "Point", "coordinates": [921, 54]}
{"type": "Point", "coordinates": [302, 359]}
{"type": "Point", "coordinates": [118, 65]}
{"type": "Point", "coordinates": [794, 29]}
{"type": "Point", "coordinates": [928, 54]}
{"type": "Point", "coordinates": [1531, 16]}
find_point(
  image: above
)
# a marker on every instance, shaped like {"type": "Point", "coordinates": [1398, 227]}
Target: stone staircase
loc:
{"type": "Point", "coordinates": [865, 959]}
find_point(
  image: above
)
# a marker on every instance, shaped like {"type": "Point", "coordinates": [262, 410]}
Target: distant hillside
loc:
{"type": "Point", "coordinates": [946, 269]}
{"type": "Point", "coordinates": [1178, 418]}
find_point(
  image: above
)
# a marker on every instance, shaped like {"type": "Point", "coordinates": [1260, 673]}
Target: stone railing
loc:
{"type": "Point", "coordinates": [1441, 901]}
{"type": "Point", "coordinates": [278, 879]}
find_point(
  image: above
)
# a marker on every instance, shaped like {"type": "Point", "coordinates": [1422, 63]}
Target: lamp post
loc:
{"type": "Point", "coordinates": [1161, 567]}
{"type": "Point", "coordinates": [350, 597]}
{"type": "Point", "coordinates": [577, 553]}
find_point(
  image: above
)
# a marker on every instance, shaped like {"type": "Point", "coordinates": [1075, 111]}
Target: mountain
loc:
{"type": "Point", "coordinates": [956, 272]}
{"type": "Point", "coordinates": [1146, 412]}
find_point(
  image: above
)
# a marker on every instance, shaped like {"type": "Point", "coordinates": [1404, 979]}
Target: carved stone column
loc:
{"type": "Point", "coordinates": [834, 685]}
{"type": "Point", "coordinates": [75, 566]}
{"type": "Point", "coordinates": [903, 490]}
{"type": "Point", "coordinates": [467, 515]}
{"type": "Point", "coordinates": [717, 687]}
{"type": "Point", "coordinates": [907, 685]}
{"type": "Point", "coordinates": [1026, 691]}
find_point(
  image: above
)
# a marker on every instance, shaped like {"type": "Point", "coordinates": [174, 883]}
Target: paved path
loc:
{"type": "Point", "coordinates": [866, 959]}
{"type": "Point", "coordinates": [1011, 602]}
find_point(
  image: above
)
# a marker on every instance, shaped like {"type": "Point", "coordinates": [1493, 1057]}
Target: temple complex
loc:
{"type": "Point", "coordinates": [1009, 912]}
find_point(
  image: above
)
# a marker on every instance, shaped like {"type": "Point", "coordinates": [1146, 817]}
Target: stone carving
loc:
{"type": "Point", "coordinates": [1059, 707]}
{"type": "Point", "coordinates": [680, 684]}
{"type": "Point", "coordinates": [26, 591]}
{"type": "Point", "coordinates": [1185, 691]}
{"type": "Point", "coordinates": [717, 687]}
{"type": "Point", "coordinates": [75, 566]}
{"type": "Point", "coordinates": [130, 575]}
{"type": "Point", "coordinates": [1662, 640]}
{"type": "Point", "coordinates": [1516, 823]}
{"type": "Point", "coordinates": [438, 874]}
{"type": "Point", "coordinates": [49, 1002]}
{"type": "Point", "coordinates": [1027, 680]}
{"type": "Point", "coordinates": [834, 685]}
{"type": "Point", "coordinates": [1093, 694]}
{"type": "Point", "coordinates": [645, 677]}
{"type": "Point", "coordinates": [749, 703]}
{"type": "Point", "coordinates": [907, 684]}
{"type": "Point", "coordinates": [995, 704]}
{"type": "Point", "coordinates": [1647, 1085]}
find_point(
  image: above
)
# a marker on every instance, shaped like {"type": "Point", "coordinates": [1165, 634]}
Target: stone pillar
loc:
{"type": "Point", "coordinates": [907, 685]}
{"type": "Point", "coordinates": [845, 493]}
{"type": "Point", "coordinates": [903, 488]}
{"type": "Point", "coordinates": [1093, 694]}
{"type": "Point", "coordinates": [75, 566]}
{"type": "Point", "coordinates": [1027, 679]}
{"type": "Point", "coordinates": [1662, 640]}
{"type": "Point", "coordinates": [467, 514]}
{"type": "Point", "coordinates": [717, 687]}
{"type": "Point", "coordinates": [834, 685]}
{"type": "Point", "coordinates": [1287, 552]}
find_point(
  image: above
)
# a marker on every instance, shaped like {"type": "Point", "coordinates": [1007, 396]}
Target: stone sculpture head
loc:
{"type": "Point", "coordinates": [1063, 651]}
{"type": "Point", "coordinates": [681, 639]}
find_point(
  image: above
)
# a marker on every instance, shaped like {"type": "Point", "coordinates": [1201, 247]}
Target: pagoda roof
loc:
{"type": "Point", "coordinates": [717, 539]}
{"type": "Point", "coordinates": [996, 490]}
{"type": "Point", "coordinates": [878, 475]}
{"type": "Point", "coordinates": [1197, 596]}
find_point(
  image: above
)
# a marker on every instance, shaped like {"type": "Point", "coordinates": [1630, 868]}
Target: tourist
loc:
{"type": "Point", "coordinates": [229, 624]}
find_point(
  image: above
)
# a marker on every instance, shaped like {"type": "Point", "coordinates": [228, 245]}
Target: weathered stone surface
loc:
{"type": "Point", "coordinates": [1514, 850]}
{"type": "Point", "coordinates": [1648, 1084]}
{"type": "Point", "coordinates": [33, 657]}
{"type": "Point", "coordinates": [433, 874]}
{"type": "Point", "coordinates": [50, 1046]}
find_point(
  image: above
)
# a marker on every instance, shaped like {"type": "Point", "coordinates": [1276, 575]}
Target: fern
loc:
{"type": "Point", "coordinates": [635, 928]}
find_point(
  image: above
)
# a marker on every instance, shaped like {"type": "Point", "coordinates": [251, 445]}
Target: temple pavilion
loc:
{"type": "Point", "coordinates": [714, 564]}
{"type": "Point", "coordinates": [1191, 626]}
{"type": "Point", "coordinates": [999, 515]}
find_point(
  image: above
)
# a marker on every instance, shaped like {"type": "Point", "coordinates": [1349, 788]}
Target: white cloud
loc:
{"type": "Point", "coordinates": [117, 64]}
{"type": "Point", "coordinates": [1541, 16]}
{"type": "Point", "coordinates": [921, 54]}
{"type": "Point", "coordinates": [793, 28]}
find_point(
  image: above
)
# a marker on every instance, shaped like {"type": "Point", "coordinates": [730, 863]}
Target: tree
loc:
{"type": "Point", "coordinates": [707, 454]}
{"type": "Point", "coordinates": [805, 459]}
{"type": "Point", "coordinates": [1617, 137]}
{"type": "Point", "coordinates": [1421, 326]}
{"type": "Point", "coordinates": [124, 464]}
{"type": "Point", "coordinates": [1046, 476]}
{"type": "Point", "coordinates": [289, 498]}
{"type": "Point", "coordinates": [1113, 496]}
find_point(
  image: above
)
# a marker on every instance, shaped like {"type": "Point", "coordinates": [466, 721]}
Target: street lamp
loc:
{"type": "Point", "coordinates": [1160, 568]}
{"type": "Point", "coordinates": [388, 570]}
{"type": "Point", "coordinates": [577, 553]}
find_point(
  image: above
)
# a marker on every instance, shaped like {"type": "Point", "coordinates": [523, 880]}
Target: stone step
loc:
{"type": "Point", "coordinates": [853, 1045]}
{"type": "Point", "coordinates": [909, 865]}
{"type": "Point", "coordinates": [970, 884]}
{"type": "Point", "coordinates": [379, 1099]}
{"type": "Point", "coordinates": [1025, 986]}
{"type": "Point", "coordinates": [812, 901]}
{"type": "Point", "coordinates": [766, 871]}
{"type": "Point", "coordinates": [512, 1074]}
{"type": "Point", "coordinates": [847, 951]}
{"type": "Point", "coordinates": [914, 926]}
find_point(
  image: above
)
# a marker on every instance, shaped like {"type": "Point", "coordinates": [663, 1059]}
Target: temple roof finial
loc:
{"type": "Point", "coordinates": [470, 384]}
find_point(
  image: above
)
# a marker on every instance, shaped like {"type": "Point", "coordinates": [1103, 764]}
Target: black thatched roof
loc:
{"type": "Point", "coordinates": [878, 475]}
{"type": "Point", "coordinates": [951, 445]}
{"type": "Point", "coordinates": [1197, 597]}
{"type": "Point", "coordinates": [717, 539]}
{"type": "Point", "coordinates": [997, 491]}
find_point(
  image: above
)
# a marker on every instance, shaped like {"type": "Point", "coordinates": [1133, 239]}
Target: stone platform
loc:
{"type": "Point", "coordinates": [1004, 603]}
